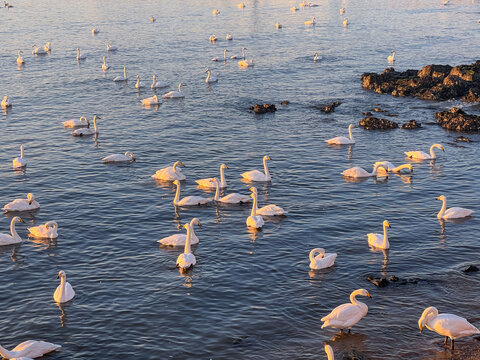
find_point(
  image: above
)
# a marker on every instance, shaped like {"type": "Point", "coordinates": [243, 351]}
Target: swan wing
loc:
{"type": "Point", "coordinates": [116, 158]}
{"type": "Point", "coordinates": [417, 155]}
{"type": "Point", "coordinates": [453, 326]}
{"type": "Point", "coordinates": [456, 212]}
{"type": "Point", "coordinates": [205, 183]}
{"type": "Point", "coordinates": [193, 200]}
{"type": "Point", "coordinates": [375, 239]}
{"type": "Point", "coordinates": [6, 239]}
{"type": "Point", "coordinates": [254, 175]}
{"type": "Point", "coordinates": [255, 221]}
{"type": "Point", "coordinates": [33, 348]}
{"type": "Point", "coordinates": [345, 315]}
{"type": "Point", "coordinates": [356, 172]}
{"type": "Point", "coordinates": [271, 210]}
{"type": "Point", "coordinates": [173, 240]}
{"type": "Point", "coordinates": [340, 140]}
{"type": "Point", "coordinates": [21, 205]}
{"type": "Point", "coordinates": [69, 292]}
{"type": "Point", "coordinates": [235, 198]}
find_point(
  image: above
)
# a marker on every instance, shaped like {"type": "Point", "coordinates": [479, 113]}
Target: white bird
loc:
{"type": "Point", "coordinates": [207, 183]}
{"type": "Point", "coordinates": [241, 5]}
{"type": "Point", "coordinates": [38, 51]}
{"type": "Point", "coordinates": [256, 175]}
{"type": "Point", "coordinates": [321, 260]}
{"type": "Point", "coordinates": [188, 200]}
{"type": "Point", "coordinates": [121, 78]}
{"type": "Point", "coordinates": [73, 123]}
{"type": "Point", "coordinates": [278, 26]}
{"type": "Point", "coordinates": [347, 315]}
{"type": "Point", "coordinates": [212, 38]}
{"type": "Point", "coordinates": [293, 8]}
{"type": "Point", "coordinates": [391, 58]}
{"type": "Point", "coordinates": [238, 56]}
{"type": "Point", "coordinates": [358, 172]}
{"type": "Point", "coordinates": [158, 84]}
{"type": "Point", "coordinates": [29, 349]}
{"type": "Point", "coordinates": [378, 240]}
{"type": "Point", "coordinates": [316, 57]}
{"type": "Point", "coordinates": [152, 19]}
{"type": "Point", "coordinates": [224, 56]}
{"type": "Point", "coordinates": [268, 210]}
{"type": "Point", "coordinates": [13, 238]}
{"type": "Point", "coordinates": [310, 22]}
{"type": "Point", "coordinates": [175, 94]}
{"type": "Point", "coordinates": [392, 168]}
{"type": "Point", "coordinates": [64, 291]}
{"type": "Point", "coordinates": [47, 47]}
{"type": "Point", "coordinates": [420, 155]}
{"type": "Point", "coordinates": [255, 221]}
{"type": "Point", "coordinates": [87, 131]}
{"type": "Point", "coordinates": [233, 198]}
{"type": "Point", "coordinates": [105, 66]}
{"type": "Point", "coordinates": [451, 213]}
{"type": "Point", "coordinates": [246, 63]}
{"type": "Point", "coordinates": [448, 325]}
{"type": "Point", "coordinates": [6, 103]}
{"type": "Point", "coordinates": [47, 231]}
{"type": "Point", "coordinates": [139, 84]}
{"type": "Point", "coordinates": [180, 239]}
{"type": "Point", "coordinates": [228, 37]}
{"type": "Point", "coordinates": [20, 60]}
{"type": "Point", "coordinates": [210, 78]}
{"type": "Point", "coordinates": [19, 162]}
{"type": "Point", "coordinates": [186, 260]}
{"type": "Point", "coordinates": [342, 140]}
{"type": "Point", "coordinates": [345, 22]}
{"type": "Point", "coordinates": [170, 173]}
{"type": "Point", "coordinates": [80, 56]}
{"type": "Point", "coordinates": [216, 12]}
{"type": "Point", "coordinates": [151, 101]}
{"type": "Point", "coordinates": [111, 48]}
{"type": "Point", "coordinates": [329, 352]}
{"type": "Point", "coordinates": [27, 204]}
{"type": "Point", "coordinates": [342, 11]}
{"type": "Point", "coordinates": [117, 158]}
{"type": "Point", "coordinates": [95, 31]}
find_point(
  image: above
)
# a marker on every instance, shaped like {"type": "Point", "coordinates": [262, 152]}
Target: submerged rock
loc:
{"type": "Point", "coordinates": [411, 124]}
{"type": "Point", "coordinates": [463, 139]}
{"type": "Point", "coordinates": [373, 123]}
{"type": "Point", "coordinates": [285, 102]}
{"type": "Point", "coordinates": [382, 281]}
{"type": "Point", "coordinates": [263, 108]}
{"type": "Point", "coordinates": [330, 107]}
{"type": "Point", "coordinates": [471, 268]}
{"type": "Point", "coordinates": [354, 355]}
{"type": "Point", "coordinates": [458, 120]}
{"type": "Point", "coordinates": [379, 110]}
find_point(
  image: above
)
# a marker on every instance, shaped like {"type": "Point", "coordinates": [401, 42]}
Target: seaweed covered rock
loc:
{"type": "Point", "coordinates": [373, 123]}
{"type": "Point", "coordinates": [263, 108]}
{"type": "Point", "coordinates": [330, 107]}
{"type": "Point", "coordinates": [458, 120]}
{"type": "Point", "coordinates": [411, 124]}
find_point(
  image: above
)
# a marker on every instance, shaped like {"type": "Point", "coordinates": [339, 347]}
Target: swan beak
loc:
{"type": "Point", "coordinates": [30, 202]}
{"type": "Point", "coordinates": [421, 329]}
{"type": "Point", "coordinates": [199, 223]}
{"type": "Point", "coordinates": [438, 198]}
{"type": "Point", "coordinates": [58, 276]}
{"type": "Point", "coordinates": [443, 149]}
{"type": "Point", "coordinates": [226, 167]}
{"type": "Point", "coordinates": [21, 220]}
{"type": "Point", "coordinates": [389, 226]}
{"type": "Point", "coordinates": [368, 294]}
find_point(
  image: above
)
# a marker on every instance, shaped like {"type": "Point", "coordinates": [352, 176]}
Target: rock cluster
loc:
{"type": "Point", "coordinates": [458, 120]}
{"type": "Point", "coordinates": [383, 281]}
{"type": "Point", "coordinates": [263, 108]}
{"type": "Point", "coordinates": [373, 123]}
{"type": "Point", "coordinates": [330, 107]}
{"type": "Point", "coordinates": [411, 124]}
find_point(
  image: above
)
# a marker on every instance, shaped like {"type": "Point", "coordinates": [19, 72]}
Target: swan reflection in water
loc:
{"type": "Point", "coordinates": [63, 315]}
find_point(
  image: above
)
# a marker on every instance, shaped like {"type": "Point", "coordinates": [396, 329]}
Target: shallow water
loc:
{"type": "Point", "coordinates": [251, 296]}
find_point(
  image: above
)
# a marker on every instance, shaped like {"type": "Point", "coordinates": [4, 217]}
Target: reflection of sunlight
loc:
{"type": "Point", "coordinates": [44, 243]}
{"type": "Point", "coordinates": [253, 233]}
{"type": "Point", "coordinates": [63, 316]}
{"type": "Point", "coordinates": [355, 180]}
{"type": "Point", "coordinates": [383, 180]}
{"type": "Point", "coordinates": [350, 152]}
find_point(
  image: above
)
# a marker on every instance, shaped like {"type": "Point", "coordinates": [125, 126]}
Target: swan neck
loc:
{"type": "Point", "coordinates": [385, 235]}
{"type": "Point", "coordinates": [5, 353]}
{"type": "Point", "coordinates": [432, 152]}
{"type": "Point", "coordinates": [21, 151]}
{"type": "Point", "coordinates": [217, 191]}
{"type": "Point", "coordinates": [222, 177]}
{"type": "Point", "coordinates": [350, 132]}
{"type": "Point", "coordinates": [13, 231]}
{"type": "Point", "coordinates": [312, 255]}
{"type": "Point", "coordinates": [265, 167]}
{"type": "Point", "coordinates": [188, 249]}
{"type": "Point", "coordinates": [353, 298]}
{"type": "Point", "coordinates": [95, 124]}
{"type": "Point", "coordinates": [177, 195]}
{"type": "Point", "coordinates": [124, 72]}
{"type": "Point", "coordinates": [179, 87]}
{"type": "Point", "coordinates": [243, 53]}
{"type": "Point", "coordinates": [254, 205]}
{"type": "Point", "coordinates": [208, 76]}
{"type": "Point", "coordinates": [138, 82]}
{"type": "Point", "coordinates": [442, 210]}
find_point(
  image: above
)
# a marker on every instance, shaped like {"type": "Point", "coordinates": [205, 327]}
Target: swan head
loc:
{"type": "Point", "coordinates": [253, 189]}
{"type": "Point", "coordinates": [266, 157]}
{"type": "Point", "coordinates": [130, 155]}
{"type": "Point", "coordinates": [223, 166]}
{"type": "Point", "coordinates": [439, 146]}
{"type": "Point", "coordinates": [442, 197]}
{"type": "Point", "coordinates": [386, 224]}
{"type": "Point", "coordinates": [176, 182]}
{"type": "Point", "coordinates": [207, 70]}
{"type": "Point", "coordinates": [30, 198]}
{"type": "Point", "coordinates": [17, 219]}
{"type": "Point", "coordinates": [352, 126]}
{"type": "Point", "coordinates": [51, 224]}
{"type": "Point", "coordinates": [62, 275]}
{"type": "Point", "coordinates": [179, 163]}
{"type": "Point", "coordinates": [5, 98]}
{"type": "Point", "coordinates": [361, 292]}
{"type": "Point", "coordinates": [196, 221]}
{"type": "Point", "coordinates": [138, 77]}
{"type": "Point", "coordinates": [214, 180]}
{"type": "Point", "coordinates": [426, 315]}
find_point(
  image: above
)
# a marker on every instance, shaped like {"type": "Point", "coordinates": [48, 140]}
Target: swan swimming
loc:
{"type": "Point", "coordinates": [310, 22]}
{"type": "Point", "coordinates": [293, 8]}
{"type": "Point", "coordinates": [64, 291]}
{"type": "Point", "coordinates": [152, 19]}
{"type": "Point", "coordinates": [329, 352]}
{"type": "Point", "coordinates": [38, 51]}
{"type": "Point", "coordinates": [117, 158]}
{"type": "Point", "coordinates": [139, 84]}
{"type": "Point", "coordinates": [95, 31]}
{"type": "Point", "coordinates": [210, 78]}
{"type": "Point", "coordinates": [420, 155]}
{"type": "Point", "coordinates": [111, 48]}
{"type": "Point", "coordinates": [80, 56]}
{"type": "Point", "coordinates": [170, 173]}
{"type": "Point", "coordinates": [216, 12]}
{"type": "Point", "coordinates": [452, 213]}
{"type": "Point", "coordinates": [316, 57]}
{"type": "Point", "coordinates": [29, 349]}
{"type": "Point", "coordinates": [256, 175]}
{"type": "Point", "coordinates": [392, 168]}
{"type": "Point", "coordinates": [73, 123]}
{"type": "Point", "coordinates": [14, 238]}
{"type": "Point", "coordinates": [342, 10]}
{"type": "Point", "coordinates": [246, 63]}
{"type": "Point", "coordinates": [321, 260]}
{"type": "Point", "coordinates": [212, 38]}
{"type": "Point", "coordinates": [224, 56]}
{"type": "Point", "coordinates": [233, 198]}
{"type": "Point", "coordinates": [19, 162]}
{"type": "Point", "coordinates": [278, 26]}
{"type": "Point", "coordinates": [46, 231]}
{"type": "Point", "coordinates": [175, 94]}
{"type": "Point", "coordinates": [87, 131]}
{"type": "Point", "coordinates": [268, 210]}
{"type": "Point", "coordinates": [20, 60]}
{"type": "Point", "coordinates": [347, 315]}
{"type": "Point", "coordinates": [380, 241]}
{"type": "Point", "coordinates": [207, 183]}
{"type": "Point", "coordinates": [158, 84]}
{"type": "Point", "coordinates": [345, 22]}
{"type": "Point", "coordinates": [151, 101]}
{"type": "Point", "coordinates": [27, 204]}
{"type": "Point", "coordinates": [358, 172]}
{"type": "Point", "coordinates": [233, 57]}
{"type": "Point", "coordinates": [228, 37]}
{"type": "Point", "coordinates": [448, 325]}
{"type": "Point", "coordinates": [391, 58]}
{"type": "Point", "coordinates": [6, 103]}
{"type": "Point", "coordinates": [342, 140]}
{"type": "Point", "coordinates": [255, 221]}
{"type": "Point", "coordinates": [180, 239]}
{"type": "Point", "coordinates": [105, 66]}
{"type": "Point", "coordinates": [186, 260]}
{"type": "Point", "coordinates": [241, 5]}
{"type": "Point", "coordinates": [47, 47]}
{"type": "Point", "coordinates": [121, 78]}
{"type": "Point", "coordinates": [188, 200]}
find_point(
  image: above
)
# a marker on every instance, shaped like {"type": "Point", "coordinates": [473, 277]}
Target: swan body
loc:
{"type": "Point", "coordinates": [316, 57]}
{"type": "Point", "coordinates": [268, 210]}
{"type": "Point", "coordinates": [347, 315]}
{"type": "Point", "coordinates": [158, 84]}
{"type": "Point", "coordinates": [224, 56]}
{"type": "Point", "coordinates": [46, 231]}
{"type": "Point", "coordinates": [391, 58]}
{"type": "Point", "coordinates": [342, 140]}
{"type": "Point", "coordinates": [19, 162]}
{"type": "Point", "coordinates": [38, 51]}
{"type": "Point", "coordinates": [47, 47]}
{"type": "Point", "coordinates": [342, 11]}
{"type": "Point", "coordinates": [448, 325]}
{"type": "Point", "coordinates": [151, 100]}
{"type": "Point", "coordinates": [13, 238]}
{"type": "Point", "coordinates": [358, 172]}
{"type": "Point", "coordinates": [420, 155]}
{"type": "Point", "coordinates": [187, 259]}
{"type": "Point", "coordinates": [73, 123]}
{"type": "Point", "coordinates": [311, 22]}
{"type": "Point", "coordinates": [5, 102]}
{"type": "Point", "coordinates": [278, 26]}
{"type": "Point", "coordinates": [345, 22]}
{"type": "Point", "coordinates": [246, 63]}
{"type": "Point", "coordinates": [152, 19]}
{"type": "Point", "coordinates": [139, 84]}
{"type": "Point", "coordinates": [180, 239]}
{"type": "Point", "coordinates": [64, 291]}
{"type": "Point", "coordinates": [329, 352]}
{"type": "Point", "coordinates": [116, 158]}
{"type": "Point", "coordinates": [255, 221]}
{"type": "Point", "coordinates": [20, 60]}
{"type": "Point", "coordinates": [451, 213]}
{"type": "Point", "coordinates": [216, 12]}
{"type": "Point", "coordinates": [175, 94]}
{"type": "Point", "coordinates": [95, 31]}
{"type": "Point", "coordinates": [321, 260]}
{"type": "Point", "coordinates": [392, 168]}
{"type": "Point", "coordinates": [228, 37]}
{"type": "Point", "coordinates": [241, 5]}
{"type": "Point", "coordinates": [87, 131]}
{"type": "Point", "coordinates": [233, 198]}
{"type": "Point", "coordinates": [212, 38]}
{"type": "Point", "coordinates": [188, 200]}
{"type": "Point", "coordinates": [105, 66]}
{"type": "Point", "coordinates": [80, 56]}
{"type": "Point", "coordinates": [293, 8]}
{"type": "Point", "coordinates": [29, 349]}
{"type": "Point", "coordinates": [233, 57]}
{"type": "Point", "coordinates": [380, 241]}
{"type": "Point", "coordinates": [170, 173]}
{"type": "Point", "coordinates": [121, 78]}
{"type": "Point", "coordinates": [111, 48]}
{"type": "Point", "coordinates": [210, 78]}
{"type": "Point", "coordinates": [208, 183]}
{"type": "Point", "coordinates": [256, 175]}
{"type": "Point", "coordinates": [27, 204]}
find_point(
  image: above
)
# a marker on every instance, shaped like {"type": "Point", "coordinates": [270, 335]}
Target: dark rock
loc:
{"type": "Point", "coordinates": [379, 110]}
{"type": "Point", "coordinates": [285, 102]}
{"type": "Point", "coordinates": [373, 123]}
{"type": "Point", "coordinates": [380, 282]}
{"type": "Point", "coordinates": [411, 124]}
{"type": "Point", "coordinates": [330, 107]}
{"type": "Point", "coordinates": [392, 115]}
{"type": "Point", "coordinates": [463, 139]}
{"type": "Point", "coordinates": [367, 113]}
{"type": "Point", "coordinates": [354, 355]}
{"type": "Point", "coordinates": [458, 120]}
{"type": "Point", "coordinates": [263, 108]}
{"type": "Point", "coordinates": [471, 268]}
{"type": "Point", "coordinates": [393, 278]}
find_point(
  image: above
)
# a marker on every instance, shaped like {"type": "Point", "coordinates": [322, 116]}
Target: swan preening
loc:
{"type": "Point", "coordinates": [268, 210]}
{"type": "Point", "coordinates": [73, 123]}
{"type": "Point", "coordinates": [210, 78]}
{"type": "Point", "coordinates": [158, 84]}
{"type": "Point", "coordinates": [256, 175]}
{"type": "Point", "coordinates": [46, 231]}
{"type": "Point", "coordinates": [311, 22]}
{"type": "Point", "coordinates": [20, 60]}
{"type": "Point", "coordinates": [342, 140]}
{"type": "Point", "coordinates": [451, 213]}
{"type": "Point", "coordinates": [347, 315]}
{"type": "Point", "coordinates": [170, 173]}
{"type": "Point", "coordinates": [186, 260]}
{"type": "Point", "coordinates": [119, 158]}
{"type": "Point", "coordinates": [105, 66]}
{"type": "Point", "coordinates": [29, 350]}
{"type": "Point", "coordinates": [121, 78]}
{"type": "Point", "coordinates": [13, 238]}
{"type": "Point", "coordinates": [207, 183]}
{"type": "Point", "coordinates": [448, 325]}
{"type": "Point", "coordinates": [139, 84]}
{"type": "Point", "coordinates": [255, 221]}
{"type": "Point", "coordinates": [80, 56]}
{"type": "Point", "coordinates": [321, 260]}
{"type": "Point", "coordinates": [420, 155]}
{"type": "Point", "coordinates": [19, 162]}
{"type": "Point", "coordinates": [175, 94]}
{"type": "Point", "coordinates": [64, 291]}
{"type": "Point", "coordinates": [151, 100]}
{"type": "Point", "coordinates": [233, 198]}
{"type": "Point", "coordinates": [392, 168]}
{"type": "Point", "coordinates": [180, 239]}
{"type": "Point", "coordinates": [316, 57]}
{"type": "Point", "coordinates": [391, 58]}
{"type": "Point", "coordinates": [358, 172]}
{"type": "Point", "coordinates": [5, 102]}
{"type": "Point", "coordinates": [27, 204]}
{"type": "Point", "coordinates": [380, 241]}
{"type": "Point", "coordinates": [87, 131]}
{"type": "Point", "coordinates": [188, 200]}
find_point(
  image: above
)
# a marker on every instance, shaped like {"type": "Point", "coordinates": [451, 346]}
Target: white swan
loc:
{"type": "Point", "coordinates": [448, 325]}
{"type": "Point", "coordinates": [95, 31]}
{"type": "Point", "coordinates": [116, 158]}
{"type": "Point", "coordinates": [255, 221]}
{"type": "Point", "coordinates": [139, 84]}
{"type": "Point", "coordinates": [329, 352]}
{"type": "Point", "coordinates": [391, 58]}
{"type": "Point", "coordinates": [452, 213]}
{"type": "Point", "coordinates": [228, 37]}
{"type": "Point", "coordinates": [420, 155]}
{"type": "Point", "coordinates": [87, 131]}
{"type": "Point", "coordinates": [47, 231]}
{"type": "Point", "coordinates": [278, 26]}
{"type": "Point", "coordinates": [256, 175]}
{"type": "Point", "coordinates": [233, 198]}
{"type": "Point", "coordinates": [19, 162]}
{"type": "Point", "coordinates": [180, 239]}
{"type": "Point", "coordinates": [158, 84]}
{"type": "Point", "coordinates": [246, 63]}
{"type": "Point", "coordinates": [315, 57]}
{"type": "Point", "coordinates": [105, 66]}
{"type": "Point", "coordinates": [208, 182]}
{"type": "Point", "coordinates": [342, 140]}
{"type": "Point", "coordinates": [64, 291]}
{"type": "Point", "coordinates": [151, 100]}
{"type": "Point", "coordinates": [293, 8]}
{"type": "Point", "coordinates": [111, 48]}
{"type": "Point", "coordinates": [20, 60]}
{"type": "Point", "coordinates": [80, 56]}
{"type": "Point", "coordinates": [47, 47]}
{"type": "Point", "coordinates": [27, 204]}
{"type": "Point", "coordinates": [321, 260]}
{"type": "Point", "coordinates": [14, 238]}
{"type": "Point", "coordinates": [6, 103]}
{"type": "Point", "coordinates": [358, 172]}
{"type": "Point", "coordinates": [121, 78]}
{"type": "Point", "coordinates": [188, 200]}
{"type": "Point", "coordinates": [380, 241]}
{"type": "Point", "coordinates": [224, 56]}
{"type": "Point", "coordinates": [310, 22]}
{"type": "Point", "coordinates": [175, 94]}
{"type": "Point", "coordinates": [152, 19]}
{"type": "Point", "coordinates": [73, 123]}
{"type": "Point", "coordinates": [29, 349]}
{"type": "Point", "coordinates": [345, 22]}
{"type": "Point", "coordinates": [186, 260]}
{"type": "Point", "coordinates": [241, 5]}
{"type": "Point", "coordinates": [170, 173]}
{"type": "Point", "coordinates": [392, 168]}
{"type": "Point", "coordinates": [238, 56]}
{"type": "Point", "coordinates": [268, 210]}
{"type": "Point", "coordinates": [212, 38]}
{"type": "Point", "coordinates": [342, 10]}
{"type": "Point", "coordinates": [347, 315]}
{"type": "Point", "coordinates": [216, 12]}
{"type": "Point", "coordinates": [210, 78]}
{"type": "Point", "coordinates": [38, 51]}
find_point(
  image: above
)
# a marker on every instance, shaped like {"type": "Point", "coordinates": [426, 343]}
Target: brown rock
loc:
{"type": "Point", "coordinates": [373, 123]}
{"type": "Point", "coordinates": [458, 120]}
{"type": "Point", "coordinates": [411, 124]}
{"type": "Point", "coordinates": [263, 108]}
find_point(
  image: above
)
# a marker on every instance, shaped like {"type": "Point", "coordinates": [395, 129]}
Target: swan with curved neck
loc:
{"type": "Point", "coordinates": [27, 204]}
{"type": "Point", "coordinates": [254, 220]}
{"type": "Point", "coordinates": [5, 102]}
{"type": "Point", "coordinates": [311, 22]}
{"type": "Point", "coordinates": [80, 56]}
{"type": "Point", "coordinates": [256, 175]}
{"type": "Point", "coordinates": [315, 56]}
{"type": "Point", "coordinates": [391, 58]}
{"type": "Point", "coordinates": [448, 325]}
{"type": "Point", "coordinates": [210, 78]}
{"type": "Point", "coordinates": [158, 84]}
{"type": "Point", "coordinates": [64, 291]}
{"type": "Point", "coordinates": [342, 140]}
{"type": "Point", "coordinates": [345, 22]}
{"type": "Point", "coordinates": [139, 84]}
{"type": "Point", "coordinates": [186, 260]}
{"type": "Point", "coordinates": [208, 183]}
{"type": "Point", "coordinates": [358, 172]}
{"type": "Point", "coordinates": [268, 210]}
{"type": "Point", "coordinates": [13, 238]}
{"type": "Point", "coordinates": [393, 168]}
{"type": "Point", "coordinates": [28, 350]}
{"type": "Point", "coordinates": [321, 260]}
{"type": "Point", "coordinates": [19, 58]}
{"type": "Point", "coordinates": [151, 101]}
{"type": "Point", "coordinates": [170, 173]}
{"type": "Point", "coordinates": [38, 51]}
{"type": "Point", "coordinates": [188, 200]}
{"type": "Point", "coordinates": [46, 231]}
{"type": "Point", "coordinates": [175, 94]}
{"type": "Point", "coordinates": [19, 162]}
{"type": "Point", "coordinates": [180, 239]}
{"type": "Point", "coordinates": [122, 78]}
{"type": "Point", "coordinates": [105, 66]}
{"type": "Point", "coordinates": [233, 198]}
{"type": "Point", "coordinates": [110, 47]}
{"type": "Point", "coordinates": [347, 315]}
{"type": "Point", "coordinates": [329, 352]}
{"type": "Point", "coordinates": [88, 131]}
{"type": "Point", "coordinates": [420, 155]}
{"type": "Point", "coordinates": [451, 213]}
{"type": "Point", "coordinates": [380, 241]}
{"type": "Point", "coordinates": [120, 158]}
{"type": "Point", "coordinates": [72, 123]}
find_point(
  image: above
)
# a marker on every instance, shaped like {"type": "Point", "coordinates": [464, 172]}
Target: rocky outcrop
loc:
{"type": "Point", "coordinates": [382, 281]}
{"type": "Point", "coordinates": [330, 107]}
{"type": "Point", "coordinates": [263, 108]}
{"type": "Point", "coordinates": [411, 124]}
{"type": "Point", "coordinates": [373, 123]}
{"type": "Point", "coordinates": [458, 120]}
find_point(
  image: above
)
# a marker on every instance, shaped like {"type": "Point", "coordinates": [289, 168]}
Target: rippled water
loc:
{"type": "Point", "coordinates": [251, 296]}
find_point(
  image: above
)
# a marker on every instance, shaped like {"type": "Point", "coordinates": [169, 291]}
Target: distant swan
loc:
{"type": "Point", "coordinates": [208, 182]}
{"type": "Point", "coordinates": [14, 238]}
{"type": "Point", "coordinates": [170, 173]}
{"type": "Point", "coordinates": [139, 84]}
{"type": "Point", "coordinates": [451, 213]}
{"type": "Point", "coordinates": [216, 12]}
{"type": "Point", "coordinates": [392, 168]}
{"type": "Point", "coordinates": [175, 94]}
{"type": "Point", "coordinates": [87, 131]}
{"type": "Point", "coordinates": [28, 350]}
{"type": "Point", "coordinates": [79, 56]}
{"type": "Point", "coordinates": [316, 57]}
{"type": "Point", "coordinates": [95, 31]}
{"type": "Point", "coordinates": [358, 172]}
{"type": "Point", "coordinates": [232, 198]}
{"type": "Point", "coordinates": [47, 47]}
{"type": "Point", "coordinates": [246, 63]}
{"type": "Point", "coordinates": [321, 260]}
{"type": "Point", "coordinates": [111, 48]}
{"type": "Point", "coordinates": [212, 38]}
{"type": "Point", "coordinates": [342, 11]}
{"type": "Point", "coordinates": [380, 241]}
{"type": "Point", "coordinates": [186, 260]}
{"type": "Point", "coordinates": [311, 22]}
{"type": "Point", "coordinates": [27, 204]}
{"type": "Point", "coordinates": [238, 56]}
{"type": "Point", "coordinates": [278, 26]}
{"type": "Point", "coordinates": [19, 162]}
{"type": "Point", "coordinates": [122, 78]}
{"type": "Point", "coordinates": [420, 155]}
{"type": "Point", "coordinates": [116, 158]}
{"type": "Point", "coordinates": [47, 231]}
{"type": "Point", "coordinates": [255, 221]}
{"type": "Point", "coordinates": [64, 291]}
{"type": "Point", "coordinates": [188, 200]}
{"type": "Point", "coordinates": [391, 58]}
{"type": "Point", "coordinates": [105, 66]}
{"type": "Point", "coordinates": [293, 8]}
{"type": "Point", "coordinates": [158, 84]}
{"type": "Point", "coordinates": [256, 175]}
{"type": "Point", "coordinates": [268, 210]}
{"type": "Point", "coordinates": [152, 19]}
{"type": "Point", "coordinates": [224, 56]}
{"type": "Point", "coordinates": [241, 5]}
{"type": "Point", "coordinates": [38, 51]}
{"type": "Point", "coordinates": [82, 122]}
{"type": "Point", "coordinates": [19, 58]}
{"type": "Point", "coordinates": [151, 100]}
{"type": "Point", "coordinates": [342, 140]}
{"type": "Point", "coordinates": [345, 22]}
{"type": "Point", "coordinates": [210, 78]}
{"type": "Point", "coordinates": [6, 103]}
{"type": "Point", "coordinates": [180, 239]}
{"type": "Point", "coordinates": [228, 37]}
